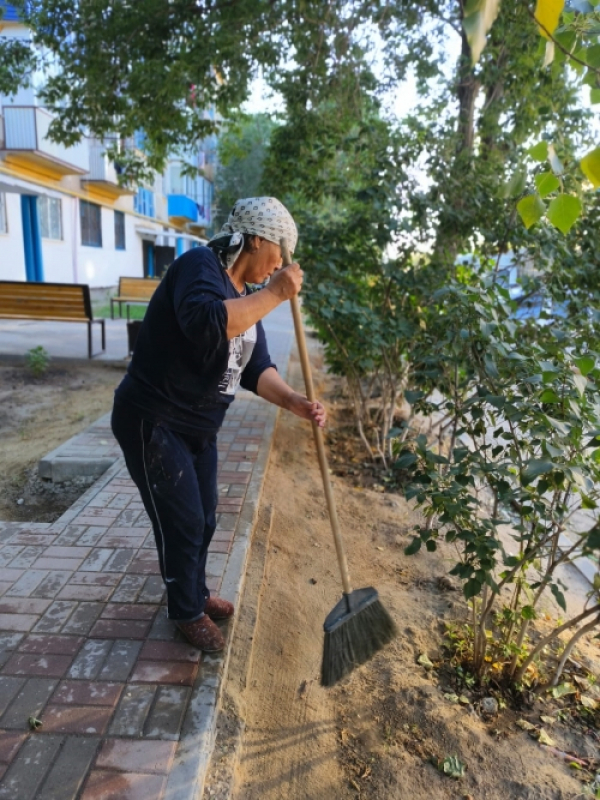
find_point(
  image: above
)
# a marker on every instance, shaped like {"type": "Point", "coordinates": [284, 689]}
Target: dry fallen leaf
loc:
{"type": "Point", "coordinates": [525, 725]}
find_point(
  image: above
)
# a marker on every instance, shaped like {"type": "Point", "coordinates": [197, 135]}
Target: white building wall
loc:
{"type": "Point", "coordinates": [12, 253]}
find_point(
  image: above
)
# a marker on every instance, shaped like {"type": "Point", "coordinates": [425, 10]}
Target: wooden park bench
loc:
{"type": "Point", "coordinates": [49, 302]}
{"type": "Point", "coordinates": [133, 291]}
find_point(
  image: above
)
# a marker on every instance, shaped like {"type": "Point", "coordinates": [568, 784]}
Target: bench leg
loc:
{"type": "Point", "coordinates": [103, 326]}
{"type": "Point", "coordinates": [112, 308]}
{"type": "Point", "coordinates": [89, 339]}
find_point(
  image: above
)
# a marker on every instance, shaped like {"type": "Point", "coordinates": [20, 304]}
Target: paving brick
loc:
{"type": "Point", "coordinates": [146, 757]}
{"type": "Point", "coordinates": [83, 618]}
{"type": "Point", "coordinates": [70, 769]}
{"type": "Point", "coordinates": [8, 553]}
{"type": "Point", "coordinates": [70, 535]}
{"type": "Point", "coordinates": [30, 700]}
{"type": "Point", "coordinates": [27, 583]}
{"type": "Point", "coordinates": [17, 622]}
{"type": "Point", "coordinates": [9, 745]}
{"type": "Point", "coordinates": [78, 592]}
{"type": "Point", "coordinates": [114, 541]}
{"type": "Point", "coordinates": [27, 556]}
{"type": "Point", "coordinates": [54, 645]}
{"type": "Point", "coordinates": [126, 532]}
{"type": "Point", "coordinates": [97, 559]}
{"type": "Point", "coordinates": [44, 666]}
{"type": "Point", "coordinates": [55, 617]}
{"type": "Point", "coordinates": [129, 611]}
{"type": "Point", "coordinates": [76, 719]}
{"type": "Point", "coordinates": [58, 563]}
{"type": "Point", "coordinates": [176, 672]}
{"type": "Point", "coordinates": [9, 575]}
{"type": "Point", "coordinates": [141, 566]}
{"type": "Point", "coordinates": [132, 711]}
{"type": "Point", "coordinates": [9, 689]}
{"type": "Point", "coordinates": [95, 578]}
{"type": "Point", "coordinates": [120, 560]}
{"type": "Point", "coordinates": [90, 660]}
{"type": "Point", "coordinates": [167, 713]}
{"type": "Point", "coordinates": [29, 539]}
{"type": "Point", "coordinates": [28, 770]}
{"type": "Point", "coordinates": [153, 591]}
{"type": "Point", "coordinates": [169, 651]}
{"type": "Point", "coordinates": [10, 605]}
{"type": "Point", "coordinates": [163, 628]}
{"type": "Point", "coordinates": [9, 641]}
{"type": "Point", "coordinates": [107, 785]}
{"type": "Point", "coordinates": [52, 584]}
{"type": "Point", "coordinates": [93, 534]}
{"type": "Point", "coordinates": [128, 589]}
{"type": "Point", "coordinates": [87, 693]}
{"type": "Point", "coordinates": [120, 629]}
{"type": "Point", "coordinates": [222, 547]}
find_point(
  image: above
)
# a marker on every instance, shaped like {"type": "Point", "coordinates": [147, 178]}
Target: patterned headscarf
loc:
{"type": "Point", "coordinates": [258, 216]}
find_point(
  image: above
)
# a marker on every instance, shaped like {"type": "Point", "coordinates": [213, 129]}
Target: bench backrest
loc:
{"type": "Point", "coordinates": [45, 300]}
{"type": "Point", "coordinates": [138, 287]}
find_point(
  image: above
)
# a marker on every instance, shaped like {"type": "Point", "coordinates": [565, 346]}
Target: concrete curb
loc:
{"type": "Point", "coordinates": [196, 745]}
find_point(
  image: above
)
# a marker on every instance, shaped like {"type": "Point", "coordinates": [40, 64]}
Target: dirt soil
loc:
{"type": "Point", "coordinates": [37, 414]}
{"type": "Point", "coordinates": [384, 731]}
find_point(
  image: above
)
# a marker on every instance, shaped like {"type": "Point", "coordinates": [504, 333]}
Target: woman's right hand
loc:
{"type": "Point", "coordinates": [286, 282]}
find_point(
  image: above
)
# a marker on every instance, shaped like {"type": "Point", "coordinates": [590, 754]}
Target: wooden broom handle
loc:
{"type": "Point", "coordinates": [318, 433]}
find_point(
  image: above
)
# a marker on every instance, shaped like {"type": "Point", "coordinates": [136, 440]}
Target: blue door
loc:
{"type": "Point", "coordinates": [32, 240]}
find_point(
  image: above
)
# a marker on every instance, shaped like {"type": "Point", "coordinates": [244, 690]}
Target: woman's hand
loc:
{"type": "Point", "coordinates": [302, 407]}
{"type": "Point", "coordinates": [285, 283]}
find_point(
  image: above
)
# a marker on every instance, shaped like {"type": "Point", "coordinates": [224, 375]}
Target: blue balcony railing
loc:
{"type": "Point", "coordinates": [182, 207]}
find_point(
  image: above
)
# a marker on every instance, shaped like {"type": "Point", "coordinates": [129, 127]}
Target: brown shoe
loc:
{"type": "Point", "coordinates": [217, 608]}
{"type": "Point", "coordinates": [203, 634]}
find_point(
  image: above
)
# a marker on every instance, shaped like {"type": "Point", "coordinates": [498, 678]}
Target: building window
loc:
{"type": "Point", "coordinates": [143, 202]}
{"type": "Point", "coordinates": [3, 219]}
{"type": "Point", "coordinates": [119, 230]}
{"type": "Point", "coordinates": [91, 224]}
{"type": "Point", "coordinates": [50, 217]}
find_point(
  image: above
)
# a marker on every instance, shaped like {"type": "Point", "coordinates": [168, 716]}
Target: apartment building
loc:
{"type": "Point", "coordinates": [63, 215]}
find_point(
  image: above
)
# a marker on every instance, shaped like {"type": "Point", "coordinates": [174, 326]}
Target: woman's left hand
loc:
{"type": "Point", "coordinates": [302, 407]}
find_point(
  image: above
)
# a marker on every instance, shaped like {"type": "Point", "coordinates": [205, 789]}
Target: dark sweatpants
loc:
{"type": "Point", "coordinates": [176, 475]}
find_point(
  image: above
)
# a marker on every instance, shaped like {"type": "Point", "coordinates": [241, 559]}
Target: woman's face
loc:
{"type": "Point", "coordinates": [263, 262]}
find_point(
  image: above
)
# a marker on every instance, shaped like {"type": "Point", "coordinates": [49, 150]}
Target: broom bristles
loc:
{"type": "Point", "coordinates": [355, 640]}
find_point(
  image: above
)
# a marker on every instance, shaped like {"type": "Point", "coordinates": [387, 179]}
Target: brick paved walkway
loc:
{"type": "Point", "coordinates": [128, 709]}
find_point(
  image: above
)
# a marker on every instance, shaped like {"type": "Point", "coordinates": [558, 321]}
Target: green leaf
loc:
{"type": "Point", "coordinates": [564, 211]}
{"type": "Point", "coordinates": [559, 596]}
{"type": "Point", "coordinates": [516, 184]}
{"type": "Point", "coordinates": [593, 540]}
{"type": "Point", "coordinates": [531, 209]}
{"type": "Point", "coordinates": [413, 547]}
{"type": "Point", "coordinates": [594, 96]}
{"type": "Point", "coordinates": [539, 151]}
{"type": "Point", "coordinates": [580, 384]}
{"type": "Point", "coordinates": [412, 397]}
{"type": "Point", "coordinates": [590, 165]}
{"type": "Point", "coordinates": [406, 459]}
{"type": "Point", "coordinates": [528, 612]}
{"type": "Point", "coordinates": [534, 468]}
{"type": "Point", "coordinates": [562, 690]}
{"type": "Point", "coordinates": [453, 767]}
{"type": "Point", "coordinates": [585, 364]}
{"type": "Point", "coordinates": [546, 183]}
{"type": "Point", "coordinates": [431, 545]}
{"type": "Point", "coordinates": [472, 588]}
{"type": "Point", "coordinates": [549, 396]}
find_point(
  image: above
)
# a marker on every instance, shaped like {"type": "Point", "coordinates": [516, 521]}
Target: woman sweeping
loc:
{"type": "Point", "coordinates": [201, 338]}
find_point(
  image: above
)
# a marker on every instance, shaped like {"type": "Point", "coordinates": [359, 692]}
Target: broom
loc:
{"type": "Point", "coordinates": [358, 626]}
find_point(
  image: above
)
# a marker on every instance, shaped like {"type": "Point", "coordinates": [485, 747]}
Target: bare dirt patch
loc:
{"type": "Point", "coordinates": [383, 732]}
{"type": "Point", "coordinates": [37, 414]}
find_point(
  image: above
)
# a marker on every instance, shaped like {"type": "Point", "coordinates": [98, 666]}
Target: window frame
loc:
{"type": "Point", "coordinates": [120, 237]}
{"type": "Point", "coordinates": [44, 206]}
{"type": "Point", "coordinates": [86, 239]}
